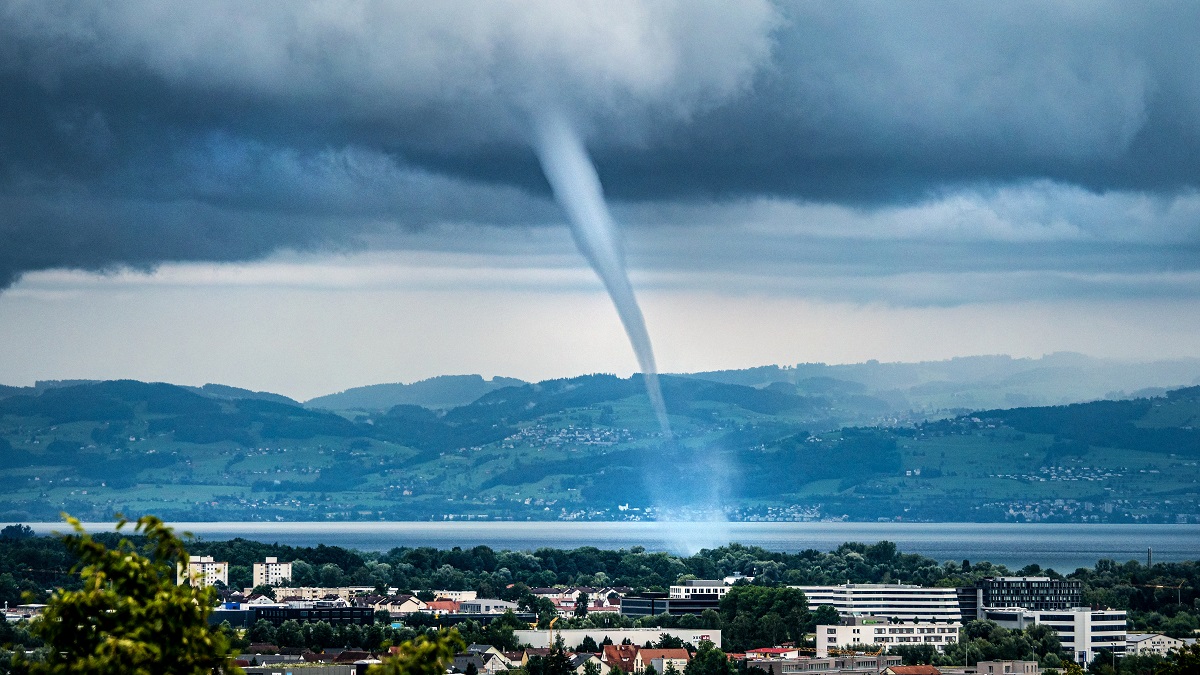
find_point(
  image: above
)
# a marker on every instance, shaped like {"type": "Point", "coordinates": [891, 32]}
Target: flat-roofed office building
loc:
{"type": "Point", "coordinates": [863, 632]}
{"type": "Point", "coordinates": [899, 601]}
{"type": "Point", "coordinates": [1081, 630]}
{"type": "Point", "coordinates": [1036, 593]}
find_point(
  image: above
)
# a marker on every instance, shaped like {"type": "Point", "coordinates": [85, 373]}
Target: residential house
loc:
{"type": "Point", "coordinates": [440, 607]}
{"type": "Point", "coordinates": [399, 605]}
{"type": "Point", "coordinates": [624, 657]}
{"type": "Point", "coordinates": [465, 660]}
{"type": "Point", "coordinates": [772, 653]}
{"type": "Point", "coordinates": [490, 659]}
{"type": "Point", "coordinates": [259, 600]}
{"type": "Point", "coordinates": [530, 652]}
{"type": "Point", "coordinates": [579, 662]}
{"type": "Point", "coordinates": [661, 659]}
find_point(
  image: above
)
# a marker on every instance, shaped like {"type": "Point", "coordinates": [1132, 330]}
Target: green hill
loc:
{"type": "Point", "coordinates": [589, 447]}
{"type": "Point", "coordinates": [445, 391]}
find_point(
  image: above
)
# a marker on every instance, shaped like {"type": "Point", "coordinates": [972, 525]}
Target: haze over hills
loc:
{"type": "Point", "coordinates": [221, 391]}
{"type": "Point", "coordinates": [444, 391]}
{"type": "Point", "coordinates": [589, 447]}
{"type": "Point", "coordinates": [963, 383]}
{"type": "Point", "coordinates": [974, 382]}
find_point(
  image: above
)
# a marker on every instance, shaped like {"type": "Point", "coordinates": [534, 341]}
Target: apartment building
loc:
{"type": "Point", "coordinates": [878, 632]}
{"type": "Point", "coordinates": [272, 572]}
{"type": "Point", "coordinates": [202, 571]}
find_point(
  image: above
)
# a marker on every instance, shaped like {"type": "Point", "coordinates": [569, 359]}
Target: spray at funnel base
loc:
{"type": "Point", "coordinates": [577, 189]}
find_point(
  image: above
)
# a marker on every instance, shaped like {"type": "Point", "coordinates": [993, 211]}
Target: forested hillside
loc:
{"type": "Point", "coordinates": [589, 448]}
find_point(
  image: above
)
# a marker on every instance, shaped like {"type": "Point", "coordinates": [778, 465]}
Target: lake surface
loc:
{"type": "Point", "coordinates": [1063, 547]}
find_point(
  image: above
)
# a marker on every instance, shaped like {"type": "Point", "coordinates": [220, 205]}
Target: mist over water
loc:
{"type": "Point", "coordinates": [577, 189]}
{"type": "Point", "coordinates": [683, 483]}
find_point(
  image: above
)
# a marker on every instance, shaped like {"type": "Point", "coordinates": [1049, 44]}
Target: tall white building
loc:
{"type": "Point", "coordinates": [1082, 630]}
{"type": "Point", "coordinates": [884, 634]}
{"type": "Point", "coordinates": [272, 572]}
{"type": "Point", "coordinates": [900, 601]}
{"type": "Point", "coordinates": [202, 571]}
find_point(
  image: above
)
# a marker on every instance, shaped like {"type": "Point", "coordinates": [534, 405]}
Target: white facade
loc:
{"type": "Point", "coordinates": [321, 592]}
{"type": "Point", "coordinates": [457, 596]}
{"type": "Point", "coordinates": [1082, 630]}
{"type": "Point", "coordinates": [699, 589]}
{"type": "Point", "coordinates": [272, 572]}
{"type": "Point", "coordinates": [541, 639]}
{"type": "Point", "coordinates": [1151, 643]}
{"type": "Point", "coordinates": [883, 634]}
{"type": "Point", "coordinates": [1007, 668]}
{"type": "Point", "coordinates": [859, 664]}
{"type": "Point", "coordinates": [900, 601]}
{"type": "Point", "coordinates": [486, 606]}
{"type": "Point", "coordinates": [203, 571]}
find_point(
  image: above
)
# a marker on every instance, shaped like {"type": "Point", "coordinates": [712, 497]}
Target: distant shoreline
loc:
{"type": "Point", "coordinates": [1061, 546]}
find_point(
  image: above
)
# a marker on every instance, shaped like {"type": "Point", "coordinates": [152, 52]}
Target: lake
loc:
{"type": "Point", "coordinates": [1063, 547]}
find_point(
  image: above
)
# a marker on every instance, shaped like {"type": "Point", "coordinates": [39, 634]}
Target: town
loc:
{"type": "Point", "coordinates": [858, 628]}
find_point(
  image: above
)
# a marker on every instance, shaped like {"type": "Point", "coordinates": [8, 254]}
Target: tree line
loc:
{"type": "Point", "coordinates": [765, 612]}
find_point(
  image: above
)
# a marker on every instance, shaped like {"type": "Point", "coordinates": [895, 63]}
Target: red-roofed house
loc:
{"type": "Point", "coordinates": [661, 658]}
{"type": "Point", "coordinates": [440, 607]}
{"type": "Point", "coordinates": [772, 653]}
{"type": "Point", "coordinates": [621, 656]}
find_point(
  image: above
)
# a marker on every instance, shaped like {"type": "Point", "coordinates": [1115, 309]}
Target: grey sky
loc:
{"type": "Point", "coordinates": [921, 159]}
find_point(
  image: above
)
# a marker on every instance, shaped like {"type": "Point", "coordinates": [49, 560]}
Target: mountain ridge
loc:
{"type": "Point", "coordinates": [589, 448]}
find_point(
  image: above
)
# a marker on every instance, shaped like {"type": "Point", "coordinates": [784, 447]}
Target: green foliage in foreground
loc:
{"type": "Point", "coordinates": [129, 616]}
{"type": "Point", "coordinates": [424, 655]}
{"type": "Point", "coordinates": [1181, 662]}
{"type": "Point", "coordinates": [709, 661]}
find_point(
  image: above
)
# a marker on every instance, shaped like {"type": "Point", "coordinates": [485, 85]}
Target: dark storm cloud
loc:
{"type": "Point", "coordinates": [139, 133]}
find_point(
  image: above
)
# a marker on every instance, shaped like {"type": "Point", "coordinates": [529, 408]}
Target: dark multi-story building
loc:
{"type": "Point", "coordinates": [649, 604]}
{"type": "Point", "coordinates": [245, 618]}
{"type": "Point", "coordinates": [968, 603]}
{"type": "Point", "coordinates": [1031, 593]}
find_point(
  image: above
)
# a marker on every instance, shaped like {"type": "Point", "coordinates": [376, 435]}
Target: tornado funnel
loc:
{"type": "Point", "coordinates": [577, 189]}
